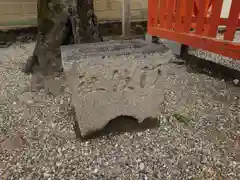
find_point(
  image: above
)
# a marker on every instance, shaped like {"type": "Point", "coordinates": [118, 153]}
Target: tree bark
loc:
{"type": "Point", "coordinates": [60, 22]}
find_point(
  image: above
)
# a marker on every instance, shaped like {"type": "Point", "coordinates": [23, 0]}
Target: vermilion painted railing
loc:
{"type": "Point", "coordinates": [195, 23]}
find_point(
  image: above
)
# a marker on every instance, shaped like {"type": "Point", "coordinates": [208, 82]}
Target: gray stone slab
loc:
{"type": "Point", "coordinates": [118, 84]}
{"type": "Point", "coordinates": [77, 52]}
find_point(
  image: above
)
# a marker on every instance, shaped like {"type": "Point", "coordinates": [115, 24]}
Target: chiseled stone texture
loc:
{"type": "Point", "coordinates": [104, 88]}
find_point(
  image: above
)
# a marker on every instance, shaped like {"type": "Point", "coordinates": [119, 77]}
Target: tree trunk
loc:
{"type": "Point", "coordinates": [60, 22]}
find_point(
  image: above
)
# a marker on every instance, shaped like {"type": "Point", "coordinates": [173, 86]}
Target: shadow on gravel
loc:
{"type": "Point", "coordinates": [119, 126]}
{"type": "Point", "coordinates": [202, 66]}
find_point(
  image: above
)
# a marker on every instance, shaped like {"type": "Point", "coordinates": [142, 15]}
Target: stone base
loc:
{"type": "Point", "coordinates": [123, 79]}
{"type": "Point", "coordinates": [177, 49]}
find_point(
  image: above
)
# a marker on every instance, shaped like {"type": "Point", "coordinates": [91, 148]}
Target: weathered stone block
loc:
{"type": "Point", "coordinates": [116, 84]}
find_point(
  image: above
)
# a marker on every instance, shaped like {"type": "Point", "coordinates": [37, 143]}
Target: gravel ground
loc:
{"type": "Point", "coordinates": [200, 141]}
{"type": "Point", "coordinates": [216, 58]}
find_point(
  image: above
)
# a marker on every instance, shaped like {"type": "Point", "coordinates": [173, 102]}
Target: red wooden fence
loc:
{"type": "Point", "coordinates": [195, 23]}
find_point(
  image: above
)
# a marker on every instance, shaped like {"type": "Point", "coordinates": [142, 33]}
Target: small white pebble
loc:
{"type": "Point", "coordinates": [141, 166]}
{"type": "Point", "coordinates": [145, 177]}
{"type": "Point", "coordinates": [233, 164]}
{"type": "Point", "coordinates": [30, 101]}
{"type": "Point", "coordinates": [236, 81]}
{"type": "Point", "coordinates": [138, 160]}
{"type": "Point", "coordinates": [58, 164]}
{"type": "Point", "coordinates": [95, 171]}
{"type": "Point", "coordinates": [46, 175]}
{"type": "Point", "coordinates": [139, 133]}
